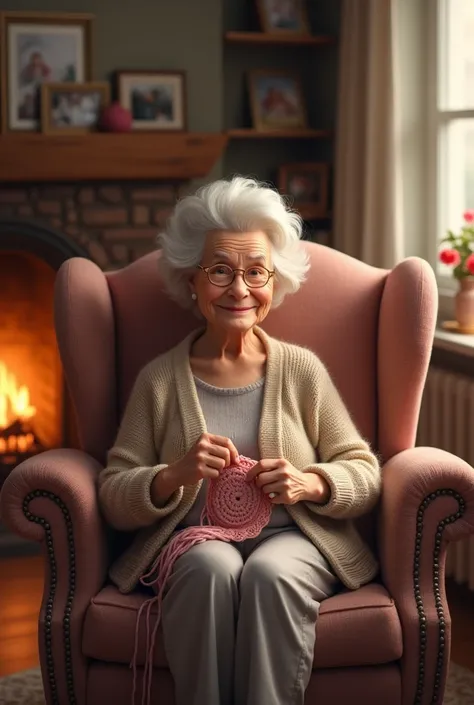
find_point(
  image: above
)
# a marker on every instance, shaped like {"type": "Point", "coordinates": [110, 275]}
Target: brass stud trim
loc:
{"type": "Point", "coordinates": [53, 572]}
{"type": "Point", "coordinates": [422, 621]}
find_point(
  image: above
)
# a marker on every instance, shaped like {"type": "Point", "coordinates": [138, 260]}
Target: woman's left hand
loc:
{"type": "Point", "coordinates": [286, 484]}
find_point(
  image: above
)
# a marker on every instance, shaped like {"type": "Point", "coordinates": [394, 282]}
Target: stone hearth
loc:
{"type": "Point", "coordinates": [114, 224]}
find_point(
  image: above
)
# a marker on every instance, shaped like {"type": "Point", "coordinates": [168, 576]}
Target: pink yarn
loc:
{"type": "Point", "coordinates": [235, 510]}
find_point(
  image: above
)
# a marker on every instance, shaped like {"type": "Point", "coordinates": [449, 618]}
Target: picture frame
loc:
{"type": "Point", "coordinates": [156, 99]}
{"type": "Point", "coordinates": [307, 185]}
{"type": "Point", "coordinates": [283, 16]}
{"type": "Point", "coordinates": [277, 101]}
{"type": "Point", "coordinates": [38, 48]}
{"type": "Point", "coordinates": [72, 108]}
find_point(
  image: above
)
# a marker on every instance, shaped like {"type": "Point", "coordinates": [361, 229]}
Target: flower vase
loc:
{"type": "Point", "coordinates": [464, 304]}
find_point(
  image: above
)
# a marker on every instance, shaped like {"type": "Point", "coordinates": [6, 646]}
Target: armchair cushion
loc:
{"type": "Point", "coordinates": [355, 629]}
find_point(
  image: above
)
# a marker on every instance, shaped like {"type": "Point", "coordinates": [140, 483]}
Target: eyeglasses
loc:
{"type": "Point", "coordinates": [222, 275]}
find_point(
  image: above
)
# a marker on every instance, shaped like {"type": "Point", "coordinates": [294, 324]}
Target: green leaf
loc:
{"type": "Point", "coordinates": [459, 272]}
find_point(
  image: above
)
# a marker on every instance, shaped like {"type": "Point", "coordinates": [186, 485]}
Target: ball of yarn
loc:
{"type": "Point", "coordinates": [115, 118]}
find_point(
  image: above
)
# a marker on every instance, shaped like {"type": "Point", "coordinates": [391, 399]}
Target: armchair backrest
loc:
{"type": "Point", "coordinates": [373, 329]}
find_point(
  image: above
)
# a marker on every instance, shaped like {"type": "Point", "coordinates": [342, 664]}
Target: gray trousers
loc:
{"type": "Point", "coordinates": [239, 620]}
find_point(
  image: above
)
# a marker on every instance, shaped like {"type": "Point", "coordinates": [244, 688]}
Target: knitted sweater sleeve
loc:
{"type": "Point", "coordinates": [344, 458]}
{"type": "Point", "coordinates": [132, 464]}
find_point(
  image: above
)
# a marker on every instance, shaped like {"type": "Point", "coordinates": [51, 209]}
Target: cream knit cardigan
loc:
{"type": "Point", "coordinates": [303, 420]}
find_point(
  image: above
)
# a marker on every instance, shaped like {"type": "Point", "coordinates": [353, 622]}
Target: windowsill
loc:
{"type": "Point", "coordinates": [454, 342]}
{"type": "Point", "coordinates": [457, 343]}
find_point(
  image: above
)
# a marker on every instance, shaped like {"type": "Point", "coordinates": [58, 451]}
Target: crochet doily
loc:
{"type": "Point", "coordinates": [236, 505]}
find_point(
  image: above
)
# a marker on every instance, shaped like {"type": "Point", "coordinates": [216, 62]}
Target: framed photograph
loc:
{"type": "Point", "coordinates": [40, 48]}
{"type": "Point", "coordinates": [307, 186]}
{"type": "Point", "coordinates": [276, 101]}
{"type": "Point", "coordinates": [156, 99]}
{"type": "Point", "coordinates": [72, 108]}
{"type": "Point", "coordinates": [283, 16]}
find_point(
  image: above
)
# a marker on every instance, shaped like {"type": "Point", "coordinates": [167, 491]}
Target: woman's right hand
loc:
{"type": "Point", "coordinates": [205, 459]}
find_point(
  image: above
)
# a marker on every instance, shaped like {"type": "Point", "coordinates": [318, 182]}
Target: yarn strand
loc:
{"type": "Point", "coordinates": [235, 510]}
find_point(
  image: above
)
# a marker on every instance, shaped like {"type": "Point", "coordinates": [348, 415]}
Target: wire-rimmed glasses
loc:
{"type": "Point", "coordinates": [255, 276]}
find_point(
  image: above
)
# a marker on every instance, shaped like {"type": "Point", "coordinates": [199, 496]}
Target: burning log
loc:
{"type": "Point", "coordinates": [18, 439]}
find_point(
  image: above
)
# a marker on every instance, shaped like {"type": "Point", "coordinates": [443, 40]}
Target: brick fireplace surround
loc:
{"type": "Point", "coordinates": [42, 225]}
{"type": "Point", "coordinates": [113, 223]}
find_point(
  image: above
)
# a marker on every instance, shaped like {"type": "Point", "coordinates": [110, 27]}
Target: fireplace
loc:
{"type": "Point", "coordinates": [31, 382]}
{"type": "Point", "coordinates": [35, 410]}
{"type": "Point", "coordinates": [41, 226]}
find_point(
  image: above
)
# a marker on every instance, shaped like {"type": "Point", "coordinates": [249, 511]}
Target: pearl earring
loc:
{"type": "Point", "coordinates": [194, 297]}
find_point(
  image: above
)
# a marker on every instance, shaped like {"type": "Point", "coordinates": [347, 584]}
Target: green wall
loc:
{"type": "Point", "coordinates": [163, 34]}
{"type": "Point", "coordinates": [188, 35]}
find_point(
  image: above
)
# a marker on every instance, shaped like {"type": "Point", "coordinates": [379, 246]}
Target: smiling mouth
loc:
{"type": "Point", "coordinates": [231, 308]}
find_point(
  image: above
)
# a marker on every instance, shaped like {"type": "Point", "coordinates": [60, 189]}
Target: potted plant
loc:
{"type": "Point", "coordinates": [459, 254]}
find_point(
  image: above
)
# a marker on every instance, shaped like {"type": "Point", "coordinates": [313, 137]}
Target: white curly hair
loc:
{"type": "Point", "coordinates": [241, 205]}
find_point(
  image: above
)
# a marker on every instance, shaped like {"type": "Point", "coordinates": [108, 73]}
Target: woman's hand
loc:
{"type": "Point", "coordinates": [207, 457]}
{"type": "Point", "coordinates": [287, 485]}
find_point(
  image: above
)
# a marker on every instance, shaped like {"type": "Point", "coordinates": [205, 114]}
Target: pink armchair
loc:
{"type": "Point", "coordinates": [388, 642]}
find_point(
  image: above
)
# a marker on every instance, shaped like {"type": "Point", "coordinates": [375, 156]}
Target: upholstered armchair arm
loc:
{"type": "Point", "coordinates": [427, 501]}
{"type": "Point", "coordinates": [52, 498]}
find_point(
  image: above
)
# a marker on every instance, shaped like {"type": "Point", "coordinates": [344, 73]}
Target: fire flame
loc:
{"type": "Point", "coordinates": [14, 406]}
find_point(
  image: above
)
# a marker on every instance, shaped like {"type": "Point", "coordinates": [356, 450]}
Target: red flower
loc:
{"type": "Point", "coordinates": [470, 264]}
{"type": "Point", "coordinates": [469, 216]}
{"type": "Point", "coordinates": [451, 257]}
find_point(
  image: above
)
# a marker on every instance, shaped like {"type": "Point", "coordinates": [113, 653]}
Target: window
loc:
{"type": "Point", "coordinates": [451, 151]}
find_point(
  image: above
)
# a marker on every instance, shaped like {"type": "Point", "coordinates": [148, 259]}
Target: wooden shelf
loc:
{"type": "Point", "coordinates": [106, 156]}
{"type": "Point", "coordinates": [272, 39]}
{"type": "Point", "coordinates": [250, 134]}
{"type": "Point", "coordinates": [310, 213]}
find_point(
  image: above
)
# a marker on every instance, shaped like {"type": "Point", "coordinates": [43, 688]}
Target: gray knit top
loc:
{"type": "Point", "coordinates": [235, 413]}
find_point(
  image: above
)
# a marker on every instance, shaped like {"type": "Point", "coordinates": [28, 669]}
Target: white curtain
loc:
{"type": "Point", "coordinates": [368, 209]}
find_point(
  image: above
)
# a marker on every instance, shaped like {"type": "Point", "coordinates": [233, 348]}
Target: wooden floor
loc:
{"type": "Point", "coordinates": [21, 586]}
{"type": "Point", "coordinates": [21, 589]}
{"type": "Point", "coordinates": [461, 606]}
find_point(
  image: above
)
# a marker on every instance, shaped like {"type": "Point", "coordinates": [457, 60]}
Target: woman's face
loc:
{"type": "Point", "coordinates": [236, 307]}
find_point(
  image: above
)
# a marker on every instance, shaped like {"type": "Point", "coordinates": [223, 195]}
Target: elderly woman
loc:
{"type": "Point", "coordinates": [239, 618]}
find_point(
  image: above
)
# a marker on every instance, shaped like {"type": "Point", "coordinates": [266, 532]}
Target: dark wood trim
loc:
{"type": "Point", "coordinates": [280, 39]}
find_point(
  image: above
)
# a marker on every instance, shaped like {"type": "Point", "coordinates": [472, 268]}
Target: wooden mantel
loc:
{"type": "Point", "coordinates": [28, 157]}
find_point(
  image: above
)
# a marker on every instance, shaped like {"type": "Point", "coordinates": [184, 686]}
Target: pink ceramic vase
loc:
{"type": "Point", "coordinates": [464, 303]}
